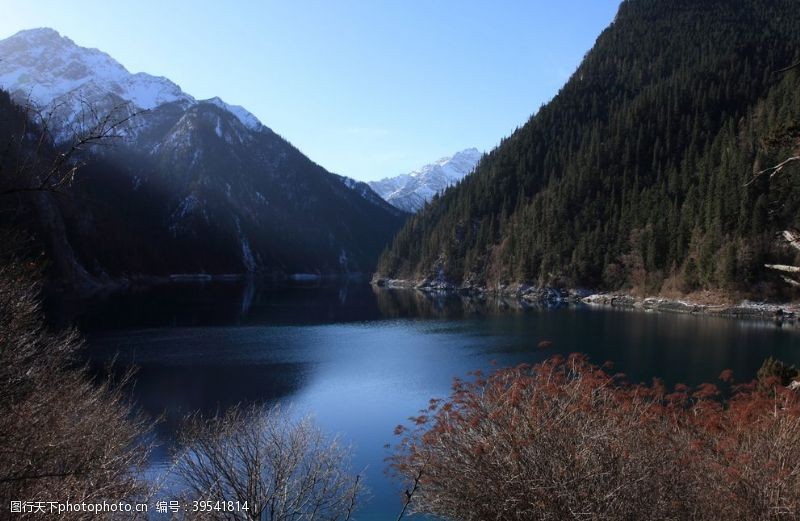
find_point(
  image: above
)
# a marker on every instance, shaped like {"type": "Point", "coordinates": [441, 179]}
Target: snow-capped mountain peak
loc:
{"type": "Point", "coordinates": [46, 68]}
{"type": "Point", "coordinates": [411, 191]}
{"type": "Point", "coordinates": [247, 119]}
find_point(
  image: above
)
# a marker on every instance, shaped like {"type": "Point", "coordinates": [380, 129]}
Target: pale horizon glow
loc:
{"type": "Point", "coordinates": [365, 89]}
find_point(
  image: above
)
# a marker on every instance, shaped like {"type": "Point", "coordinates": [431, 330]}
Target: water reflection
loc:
{"type": "Point", "coordinates": [401, 303]}
{"type": "Point", "coordinates": [363, 359]}
{"type": "Point", "coordinates": [248, 293]}
{"type": "Point", "coordinates": [251, 302]}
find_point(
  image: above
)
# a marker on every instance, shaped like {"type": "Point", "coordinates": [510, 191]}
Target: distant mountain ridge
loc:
{"type": "Point", "coordinates": [197, 186]}
{"type": "Point", "coordinates": [409, 192]}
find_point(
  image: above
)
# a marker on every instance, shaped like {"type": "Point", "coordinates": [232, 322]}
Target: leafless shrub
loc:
{"type": "Point", "coordinates": [62, 437]}
{"type": "Point", "coordinates": [284, 469]}
{"type": "Point", "coordinates": [566, 440]}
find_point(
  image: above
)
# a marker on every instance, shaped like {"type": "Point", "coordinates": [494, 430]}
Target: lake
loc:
{"type": "Point", "coordinates": [362, 359]}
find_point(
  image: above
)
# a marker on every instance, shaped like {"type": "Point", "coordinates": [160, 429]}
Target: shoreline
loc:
{"type": "Point", "coordinates": [746, 309]}
{"type": "Point", "coordinates": [106, 285]}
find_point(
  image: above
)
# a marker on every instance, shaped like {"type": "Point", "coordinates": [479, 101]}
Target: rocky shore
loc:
{"type": "Point", "coordinates": [744, 309]}
{"type": "Point", "coordinates": [555, 296]}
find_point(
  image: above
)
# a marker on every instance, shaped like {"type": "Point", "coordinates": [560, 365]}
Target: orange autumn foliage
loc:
{"type": "Point", "coordinates": [565, 439]}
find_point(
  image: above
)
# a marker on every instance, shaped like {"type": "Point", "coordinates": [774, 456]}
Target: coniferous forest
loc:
{"type": "Point", "coordinates": [639, 173]}
{"type": "Point", "coordinates": [188, 328]}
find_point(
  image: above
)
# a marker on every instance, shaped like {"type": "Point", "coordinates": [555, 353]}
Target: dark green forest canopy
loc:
{"type": "Point", "coordinates": [635, 174]}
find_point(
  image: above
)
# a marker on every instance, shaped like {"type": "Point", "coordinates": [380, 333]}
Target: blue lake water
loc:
{"type": "Point", "coordinates": [361, 360]}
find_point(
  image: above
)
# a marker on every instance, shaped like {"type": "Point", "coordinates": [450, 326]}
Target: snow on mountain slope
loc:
{"type": "Point", "coordinates": [47, 68]}
{"type": "Point", "coordinates": [367, 192]}
{"type": "Point", "coordinates": [249, 120]}
{"type": "Point", "coordinates": [410, 192]}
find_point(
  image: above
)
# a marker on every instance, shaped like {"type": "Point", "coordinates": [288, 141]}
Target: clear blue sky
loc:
{"type": "Point", "coordinates": [368, 88]}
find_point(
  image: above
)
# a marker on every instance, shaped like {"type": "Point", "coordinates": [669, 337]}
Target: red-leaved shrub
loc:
{"type": "Point", "coordinates": [565, 439]}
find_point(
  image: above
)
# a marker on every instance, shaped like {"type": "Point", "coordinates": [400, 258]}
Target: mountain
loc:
{"type": "Point", "coordinates": [637, 174]}
{"type": "Point", "coordinates": [196, 186]}
{"type": "Point", "coordinates": [46, 68]}
{"type": "Point", "coordinates": [409, 192]}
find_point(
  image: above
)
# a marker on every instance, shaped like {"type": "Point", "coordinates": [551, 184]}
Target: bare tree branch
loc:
{"type": "Point", "coordinates": [789, 281]}
{"type": "Point", "coordinates": [409, 494]}
{"type": "Point", "coordinates": [792, 238]}
{"type": "Point", "coordinates": [783, 267]}
{"type": "Point", "coordinates": [773, 170]}
{"type": "Point", "coordinates": [790, 67]}
{"type": "Point", "coordinates": [45, 165]}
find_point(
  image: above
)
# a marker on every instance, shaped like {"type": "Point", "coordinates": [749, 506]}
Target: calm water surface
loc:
{"type": "Point", "coordinates": [362, 360]}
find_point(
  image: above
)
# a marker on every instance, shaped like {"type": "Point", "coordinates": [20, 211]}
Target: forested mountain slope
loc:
{"type": "Point", "coordinates": [635, 174]}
